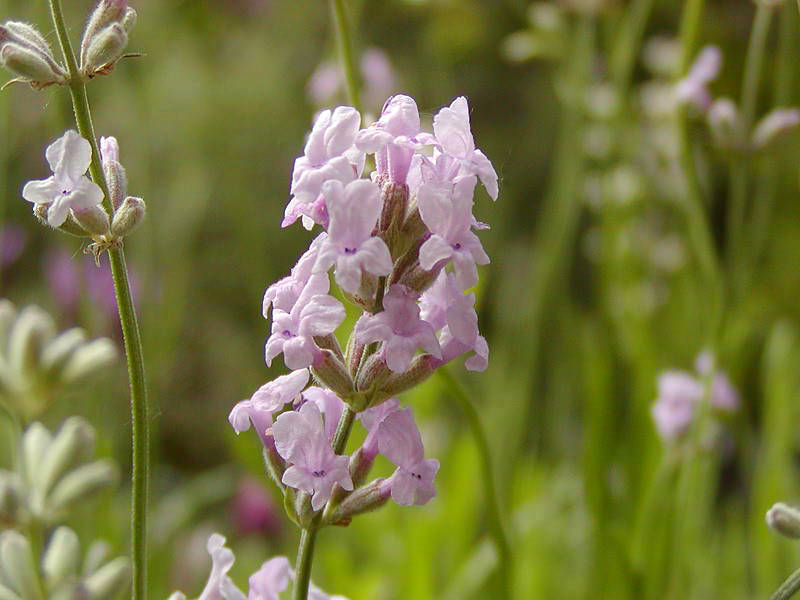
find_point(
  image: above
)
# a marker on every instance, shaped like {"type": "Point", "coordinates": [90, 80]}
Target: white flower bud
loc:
{"type": "Point", "coordinates": [105, 47]}
{"type": "Point", "coordinates": [62, 557]}
{"type": "Point", "coordinates": [725, 124]}
{"type": "Point", "coordinates": [94, 220]}
{"type": "Point", "coordinates": [784, 519]}
{"type": "Point", "coordinates": [88, 358]}
{"type": "Point", "coordinates": [25, 52]}
{"type": "Point", "coordinates": [95, 556]}
{"type": "Point", "coordinates": [35, 442]}
{"type": "Point", "coordinates": [32, 330]}
{"type": "Point", "coordinates": [18, 566]}
{"type": "Point", "coordinates": [108, 579]}
{"type": "Point", "coordinates": [129, 20]}
{"type": "Point", "coordinates": [58, 352]}
{"type": "Point", "coordinates": [82, 483]}
{"type": "Point", "coordinates": [73, 443]}
{"type": "Point", "coordinates": [128, 217]}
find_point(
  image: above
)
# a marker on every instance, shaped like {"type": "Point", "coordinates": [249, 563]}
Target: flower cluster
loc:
{"type": "Point", "coordinates": [265, 584]}
{"type": "Point", "coordinates": [679, 394]}
{"type": "Point", "coordinates": [402, 247]}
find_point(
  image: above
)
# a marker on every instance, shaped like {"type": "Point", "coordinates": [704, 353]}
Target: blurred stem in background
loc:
{"type": "Point", "coordinates": [128, 321]}
{"type": "Point", "coordinates": [502, 543]}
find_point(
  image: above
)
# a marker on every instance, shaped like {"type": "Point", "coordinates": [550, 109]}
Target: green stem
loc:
{"type": "Point", "coordinates": [505, 557]}
{"type": "Point", "coordinates": [737, 204]}
{"type": "Point", "coordinates": [626, 48]}
{"type": "Point", "coordinates": [693, 204]}
{"type": "Point", "coordinates": [344, 44]}
{"type": "Point", "coordinates": [792, 584]}
{"type": "Point", "coordinates": [305, 549]}
{"type": "Point", "coordinates": [128, 321]}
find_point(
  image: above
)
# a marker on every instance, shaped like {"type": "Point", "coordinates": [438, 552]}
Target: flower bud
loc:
{"type": "Point", "coordinates": [95, 556]}
{"type": "Point", "coordinates": [16, 563]}
{"type": "Point", "coordinates": [128, 216]}
{"type": "Point", "coordinates": [364, 499]}
{"type": "Point", "coordinates": [24, 34]}
{"type": "Point", "coordinates": [82, 483]}
{"type": "Point", "coordinates": [62, 557]}
{"type": "Point", "coordinates": [116, 179]}
{"type": "Point", "coordinates": [373, 374]}
{"type": "Point", "coordinates": [25, 52]}
{"type": "Point", "coordinates": [725, 124]}
{"type": "Point", "coordinates": [421, 368]}
{"type": "Point", "coordinates": [35, 443]}
{"type": "Point", "coordinates": [32, 330]}
{"type": "Point", "coordinates": [58, 352]}
{"type": "Point", "coordinates": [69, 226]}
{"type": "Point", "coordinates": [332, 373]}
{"type": "Point", "coordinates": [773, 126]}
{"type": "Point", "coordinates": [394, 198]}
{"type": "Point", "coordinates": [105, 13]}
{"type": "Point", "coordinates": [104, 48]}
{"type": "Point", "coordinates": [73, 443]}
{"type": "Point", "coordinates": [94, 220]}
{"type": "Point", "coordinates": [129, 20]}
{"type": "Point", "coordinates": [108, 579]}
{"type": "Point", "coordinates": [90, 357]}
{"type": "Point", "coordinates": [360, 465]}
{"type": "Point", "coordinates": [784, 519]}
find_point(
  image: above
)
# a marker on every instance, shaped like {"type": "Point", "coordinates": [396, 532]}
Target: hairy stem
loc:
{"type": "Point", "coordinates": [344, 44]}
{"type": "Point", "coordinates": [792, 584]}
{"type": "Point", "coordinates": [128, 321]}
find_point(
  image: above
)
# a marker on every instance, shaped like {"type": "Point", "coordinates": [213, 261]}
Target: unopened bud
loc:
{"type": "Point", "coordinates": [421, 368]}
{"type": "Point", "coordinates": [331, 371]}
{"type": "Point", "coordinates": [128, 216]}
{"type": "Point", "coordinates": [107, 581]}
{"type": "Point", "coordinates": [364, 499]}
{"type": "Point", "coordinates": [35, 443]}
{"type": "Point", "coordinates": [360, 465]}
{"type": "Point", "coordinates": [773, 126]}
{"type": "Point", "coordinates": [394, 198]}
{"type": "Point", "coordinates": [418, 279]}
{"type": "Point", "coordinates": [16, 563]}
{"type": "Point", "coordinates": [88, 358]}
{"type": "Point", "coordinates": [32, 330]}
{"type": "Point", "coordinates": [62, 557]}
{"type": "Point", "coordinates": [29, 64]}
{"type": "Point", "coordinates": [24, 34]}
{"type": "Point", "coordinates": [94, 220]}
{"type": "Point", "coordinates": [129, 20]}
{"type": "Point", "coordinates": [105, 47]}
{"type": "Point", "coordinates": [116, 179]}
{"type": "Point", "coordinates": [82, 483]}
{"type": "Point", "coordinates": [95, 556]}
{"type": "Point", "coordinates": [725, 124]}
{"type": "Point", "coordinates": [69, 226]}
{"type": "Point", "coordinates": [373, 374]}
{"type": "Point", "coordinates": [784, 519]}
{"type": "Point", "coordinates": [73, 443]}
{"type": "Point", "coordinates": [105, 13]}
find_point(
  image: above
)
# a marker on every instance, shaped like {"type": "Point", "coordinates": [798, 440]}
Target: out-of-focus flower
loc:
{"type": "Point", "coordinates": [378, 79]}
{"type": "Point", "coordinates": [774, 125]}
{"type": "Point", "coordinates": [253, 510]}
{"type": "Point", "coordinates": [693, 89]}
{"type": "Point", "coordinates": [12, 243]}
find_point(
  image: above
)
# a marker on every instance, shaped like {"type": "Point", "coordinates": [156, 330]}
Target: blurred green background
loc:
{"type": "Point", "coordinates": [593, 290]}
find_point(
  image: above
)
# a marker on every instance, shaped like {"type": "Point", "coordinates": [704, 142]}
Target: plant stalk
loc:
{"type": "Point", "coordinates": [792, 584]}
{"type": "Point", "coordinates": [344, 44]}
{"type": "Point", "coordinates": [128, 321]}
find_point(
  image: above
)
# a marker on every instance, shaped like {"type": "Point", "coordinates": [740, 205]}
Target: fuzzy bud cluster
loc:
{"type": "Point", "coordinates": [55, 473]}
{"type": "Point", "coordinates": [35, 361]}
{"type": "Point", "coordinates": [400, 243]}
{"type": "Point", "coordinates": [61, 575]}
{"type": "Point", "coordinates": [25, 53]}
{"type": "Point", "coordinates": [105, 37]}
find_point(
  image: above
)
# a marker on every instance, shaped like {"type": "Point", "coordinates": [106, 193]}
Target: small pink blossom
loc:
{"type": "Point", "coordinates": [399, 441]}
{"type": "Point", "coordinates": [678, 394]}
{"type": "Point", "coordinates": [301, 439]}
{"type": "Point", "coordinates": [68, 188]}
{"type": "Point", "coordinates": [693, 89]}
{"type": "Point", "coordinates": [444, 304]}
{"type": "Point", "coordinates": [329, 404]}
{"type": "Point", "coordinates": [270, 580]}
{"type": "Point", "coordinates": [371, 420]}
{"type": "Point", "coordinates": [285, 292]}
{"type": "Point", "coordinates": [400, 328]}
{"type": "Point", "coordinates": [354, 211]}
{"type": "Point", "coordinates": [274, 394]}
{"type": "Point", "coordinates": [219, 585]}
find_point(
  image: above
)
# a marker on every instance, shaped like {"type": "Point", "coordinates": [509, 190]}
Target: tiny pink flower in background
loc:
{"type": "Point", "coordinates": [400, 328]}
{"type": "Point", "coordinates": [349, 246]}
{"type": "Point", "coordinates": [447, 211]}
{"type": "Point", "coordinates": [378, 77]}
{"type": "Point", "coordinates": [678, 394]}
{"type": "Point", "coordinates": [68, 188]}
{"type": "Point", "coordinates": [12, 243]}
{"type": "Point", "coordinates": [723, 394]}
{"type": "Point", "coordinates": [253, 510]}
{"type": "Point", "coordinates": [452, 130]}
{"type": "Point", "coordinates": [301, 439]}
{"type": "Point", "coordinates": [775, 124]}
{"type": "Point", "coordinates": [399, 441]}
{"type": "Point", "coordinates": [219, 585]}
{"type": "Point", "coordinates": [693, 89]}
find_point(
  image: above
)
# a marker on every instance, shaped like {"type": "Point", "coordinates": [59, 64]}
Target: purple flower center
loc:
{"type": "Point", "coordinates": [287, 333]}
{"type": "Point", "coordinates": [320, 473]}
{"type": "Point", "coordinates": [349, 250]}
{"type": "Point", "coordinates": [64, 192]}
{"type": "Point", "coordinates": [416, 475]}
{"type": "Point", "coordinates": [457, 246]}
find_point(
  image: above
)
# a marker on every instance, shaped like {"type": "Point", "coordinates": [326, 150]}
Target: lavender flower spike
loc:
{"type": "Point", "coordinates": [68, 188]}
{"type": "Point", "coordinates": [301, 439]}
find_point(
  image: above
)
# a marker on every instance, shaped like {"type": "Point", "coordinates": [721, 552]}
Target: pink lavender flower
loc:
{"type": "Point", "coordinates": [301, 439]}
{"type": "Point", "coordinates": [329, 155]}
{"type": "Point", "coordinates": [274, 394]}
{"type": "Point", "coordinates": [693, 89]}
{"type": "Point", "coordinates": [68, 188]}
{"type": "Point", "coordinates": [452, 348]}
{"type": "Point", "coordinates": [775, 124]}
{"type": "Point", "coordinates": [329, 404]}
{"type": "Point", "coordinates": [354, 211]}
{"type": "Point", "coordinates": [219, 585]}
{"type": "Point", "coordinates": [12, 243]}
{"type": "Point", "coordinates": [399, 441]}
{"type": "Point", "coordinates": [444, 304]}
{"type": "Point", "coordinates": [447, 211]}
{"type": "Point", "coordinates": [270, 580]}
{"type": "Point", "coordinates": [371, 420]}
{"type": "Point", "coordinates": [400, 328]}
{"type": "Point", "coordinates": [452, 130]}
{"type": "Point", "coordinates": [284, 293]}
{"type": "Point", "coordinates": [293, 332]}
{"type": "Point", "coordinates": [253, 510]}
{"type": "Point", "coordinates": [678, 394]}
